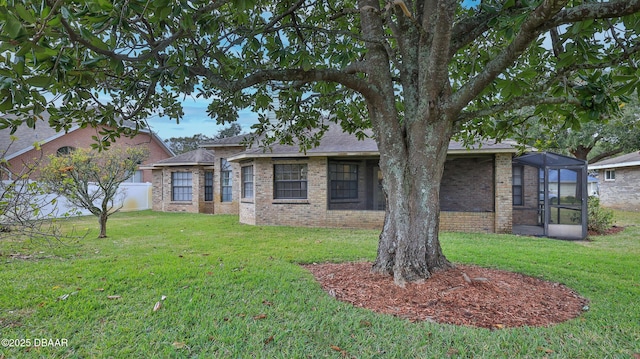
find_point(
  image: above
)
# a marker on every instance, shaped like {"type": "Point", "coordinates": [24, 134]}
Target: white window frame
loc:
{"type": "Point", "coordinates": [610, 175]}
{"type": "Point", "coordinates": [181, 186]}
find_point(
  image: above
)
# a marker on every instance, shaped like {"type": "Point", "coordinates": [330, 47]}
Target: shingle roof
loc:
{"type": "Point", "coordinates": [628, 160]}
{"type": "Point", "coordinates": [25, 137]}
{"type": "Point", "coordinates": [197, 157]}
{"type": "Point", "coordinates": [336, 142]}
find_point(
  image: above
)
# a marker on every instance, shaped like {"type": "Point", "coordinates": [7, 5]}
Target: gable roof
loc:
{"type": "Point", "coordinates": [26, 137]}
{"type": "Point", "coordinates": [337, 142]}
{"type": "Point", "coordinates": [197, 157]}
{"type": "Point", "coordinates": [628, 160]}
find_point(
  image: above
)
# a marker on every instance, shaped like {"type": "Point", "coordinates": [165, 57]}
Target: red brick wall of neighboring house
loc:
{"type": "Point", "coordinates": [82, 138]}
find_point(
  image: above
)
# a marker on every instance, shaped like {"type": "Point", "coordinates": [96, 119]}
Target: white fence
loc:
{"type": "Point", "coordinates": [131, 196]}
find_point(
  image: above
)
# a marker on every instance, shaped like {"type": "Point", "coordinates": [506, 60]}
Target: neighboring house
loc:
{"type": "Point", "coordinates": [619, 185]}
{"type": "Point", "coordinates": [23, 151]}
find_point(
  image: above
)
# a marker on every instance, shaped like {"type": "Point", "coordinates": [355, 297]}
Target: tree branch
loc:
{"type": "Point", "coordinates": [604, 155]}
{"type": "Point", "coordinates": [529, 31]}
{"type": "Point", "coordinates": [514, 104]}
{"type": "Point", "coordinates": [435, 78]}
{"type": "Point", "coordinates": [593, 10]}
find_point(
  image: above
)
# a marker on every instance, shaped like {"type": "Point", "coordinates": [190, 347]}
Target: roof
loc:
{"type": "Point", "coordinates": [549, 159]}
{"type": "Point", "coordinates": [197, 157]}
{"type": "Point", "coordinates": [25, 137]}
{"type": "Point", "coordinates": [628, 160]}
{"type": "Point", "coordinates": [238, 140]}
{"type": "Point", "coordinates": [337, 142]}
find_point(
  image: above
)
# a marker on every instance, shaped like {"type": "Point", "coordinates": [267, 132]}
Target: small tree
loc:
{"type": "Point", "coordinates": [600, 219]}
{"type": "Point", "coordinates": [26, 210]}
{"type": "Point", "coordinates": [91, 179]}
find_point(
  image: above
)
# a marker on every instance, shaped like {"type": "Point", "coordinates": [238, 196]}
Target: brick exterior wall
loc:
{"type": "Point", "coordinates": [162, 187]}
{"type": "Point", "coordinates": [623, 192]}
{"type": "Point", "coordinates": [233, 206]}
{"type": "Point", "coordinates": [503, 193]}
{"type": "Point", "coordinates": [527, 214]}
{"type": "Point", "coordinates": [480, 222]}
{"type": "Point", "coordinates": [467, 185]}
{"type": "Point", "coordinates": [263, 209]}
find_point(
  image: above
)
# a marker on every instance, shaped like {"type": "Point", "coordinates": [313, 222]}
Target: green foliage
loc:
{"type": "Point", "coordinates": [595, 140]}
{"type": "Point", "coordinates": [233, 129]}
{"type": "Point", "coordinates": [230, 288]}
{"type": "Point", "coordinates": [600, 219]}
{"type": "Point", "coordinates": [104, 63]}
{"type": "Point", "coordinates": [185, 144]}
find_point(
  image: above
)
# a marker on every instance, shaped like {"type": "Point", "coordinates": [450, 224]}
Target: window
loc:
{"type": "Point", "coordinates": [247, 181]}
{"type": "Point", "coordinates": [65, 150]}
{"type": "Point", "coordinates": [517, 185]}
{"type": "Point", "coordinates": [610, 175]}
{"type": "Point", "coordinates": [290, 181]}
{"type": "Point", "coordinates": [208, 186]}
{"type": "Point", "coordinates": [226, 189]}
{"type": "Point", "coordinates": [343, 180]}
{"type": "Point", "coordinates": [136, 177]}
{"type": "Point", "coordinates": [181, 186]}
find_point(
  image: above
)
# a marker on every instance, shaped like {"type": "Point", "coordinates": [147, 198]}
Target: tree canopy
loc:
{"type": "Point", "coordinates": [186, 144]}
{"type": "Point", "coordinates": [592, 141]}
{"type": "Point", "coordinates": [415, 71]}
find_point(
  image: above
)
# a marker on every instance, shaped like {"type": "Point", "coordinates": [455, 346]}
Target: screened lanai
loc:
{"type": "Point", "coordinates": [550, 196]}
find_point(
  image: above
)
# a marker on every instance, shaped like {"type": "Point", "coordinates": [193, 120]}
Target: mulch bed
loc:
{"type": "Point", "coordinates": [466, 295]}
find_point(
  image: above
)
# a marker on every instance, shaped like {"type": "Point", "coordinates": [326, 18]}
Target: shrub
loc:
{"type": "Point", "coordinates": [599, 219]}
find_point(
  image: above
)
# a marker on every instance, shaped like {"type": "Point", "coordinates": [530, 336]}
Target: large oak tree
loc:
{"type": "Point", "coordinates": [416, 71]}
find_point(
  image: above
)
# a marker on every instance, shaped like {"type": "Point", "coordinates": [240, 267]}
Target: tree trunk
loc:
{"type": "Point", "coordinates": [102, 218]}
{"type": "Point", "coordinates": [409, 246]}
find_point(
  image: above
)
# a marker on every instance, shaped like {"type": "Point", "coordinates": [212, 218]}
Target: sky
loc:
{"type": "Point", "coordinates": [196, 121]}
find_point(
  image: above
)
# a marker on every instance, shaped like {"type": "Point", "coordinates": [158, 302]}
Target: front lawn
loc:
{"type": "Point", "coordinates": [237, 291]}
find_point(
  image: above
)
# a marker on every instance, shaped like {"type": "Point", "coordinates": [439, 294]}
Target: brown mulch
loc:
{"type": "Point", "coordinates": [608, 231]}
{"type": "Point", "coordinates": [465, 295]}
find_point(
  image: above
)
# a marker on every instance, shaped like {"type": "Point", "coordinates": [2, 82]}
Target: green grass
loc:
{"type": "Point", "coordinates": [237, 291]}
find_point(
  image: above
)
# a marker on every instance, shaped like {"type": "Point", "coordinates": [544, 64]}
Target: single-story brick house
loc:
{"type": "Point", "coordinates": [338, 184]}
{"type": "Point", "coordinates": [619, 181]}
